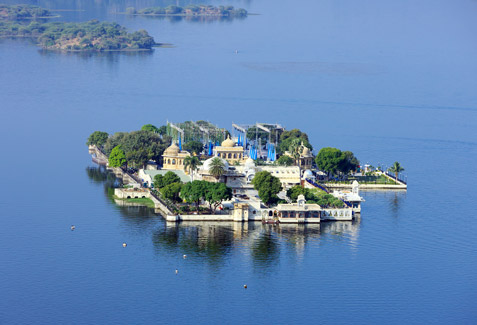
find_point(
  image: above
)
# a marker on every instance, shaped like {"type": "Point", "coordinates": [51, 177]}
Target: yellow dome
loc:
{"type": "Point", "coordinates": [172, 150]}
{"type": "Point", "coordinates": [228, 143]}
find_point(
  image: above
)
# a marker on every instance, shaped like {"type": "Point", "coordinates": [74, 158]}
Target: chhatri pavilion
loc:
{"type": "Point", "coordinates": [229, 151]}
{"type": "Point", "coordinates": [173, 158]}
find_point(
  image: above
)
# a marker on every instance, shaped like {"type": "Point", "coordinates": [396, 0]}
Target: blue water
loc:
{"type": "Point", "coordinates": [388, 80]}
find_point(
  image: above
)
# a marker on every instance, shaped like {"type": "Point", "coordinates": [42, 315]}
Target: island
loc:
{"type": "Point", "coordinates": [196, 171]}
{"type": "Point", "coordinates": [21, 12]}
{"type": "Point", "coordinates": [190, 11]}
{"type": "Point", "coordinates": [87, 36]}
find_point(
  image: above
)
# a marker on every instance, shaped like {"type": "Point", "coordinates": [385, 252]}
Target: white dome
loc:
{"type": "Point", "coordinates": [206, 165]}
{"type": "Point", "coordinates": [249, 163]}
{"type": "Point", "coordinates": [308, 174]}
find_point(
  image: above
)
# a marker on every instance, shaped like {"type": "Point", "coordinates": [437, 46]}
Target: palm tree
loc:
{"type": "Point", "coordinates": [295, 149]}
{"type": "Point", "coordinates": [216, 167]}
{"type": "Point", "coordinates": [191, 163]}
{"type": "Point", "coordinates": [396, 168]}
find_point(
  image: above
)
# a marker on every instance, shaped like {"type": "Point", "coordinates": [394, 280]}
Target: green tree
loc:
{"type": "Point", "coordinates": [396, 168]}
{"type": "Point", "coordinates": [329, 160]}
{"type": "Point", "coordinates": [193, 147]}
{"type": "Point", "coordinates": [285, 161]}
{"type": "Point", "coordinates": [97, 138]}
{"type": "Point", "coordinates": [217, 167]}
{"type": "Point", "coordinates": [191, 163]}
{"type": "Point", "coordinates": [215, 194]}
{"type": "Point", "coordinates": [296, 190]}
{"type": "Point", "coordinates": [150, 128]}
{"type": "Point", "coordinates": [193, 192]}
{"type": "Point", "coordinates": [295, 149]}
{"type": "Point", "coordinates": [117, 158]}
{"type": "Point", "coordinates": [268, 186]}
{"type": "Point", "coordinates": [168, 178]}
{"type": "Point", "coordinates": [349, 163]}
{"type": "Point", "coordinates": [172, 191]}
{"type": "Point", "coordinates": [159, 181]}
{"type": "Point", "coordinates": [287, 137]}
{"type": "Point", "coordinates": [162, 130]}
{"type": "Point", "coordinates": [171, 177]}
{"type": "Point", "coordinates": [139, 146]}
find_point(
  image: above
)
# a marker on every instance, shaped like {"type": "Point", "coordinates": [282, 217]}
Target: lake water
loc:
{"type": "Point", "coordinates": [388, 80]}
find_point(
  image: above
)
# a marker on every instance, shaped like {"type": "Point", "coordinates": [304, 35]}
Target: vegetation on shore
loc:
{"type": "Point", "coordinates": [190, 10]}
{"type": "Point", "coordinates": [138, 147]}
{"type": "Point", "coordinates": [212, 193]}
{"type": "Point", "coordinates": [88, 36]}
{"type": "Point", "coordinates": [314, 195]}
{"type": "Point", "coordinates": [334, 161]}
{"type": "Point", "coordinates": [20, 12]}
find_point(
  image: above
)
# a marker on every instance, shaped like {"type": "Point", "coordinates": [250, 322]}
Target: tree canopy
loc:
{"type": "Point", "coordinates": [19, 12]}
{"type": "Point", "coordinates": [287, 137]}
{"type": "Point", "coordinates": [139, 146]}
{"type": "Point", "coordinates": [268, 186]}
{"type": "Point", "coordinates": [396, 168]}
{"type": "Point", "coordinates": [86, 36]}
{"type": "Point", "coordinates": [190, 10]}
{"type": "Point", "coordinates": [172, 191]}
{"type": "Point", "coordinates": [333, 160]}
{"type": "Point", "coordinates": [150, 128]}
{"type": "Point", "coordinates": [168, 178]}
{"type": "Point", "coordinates": [193, 192]}
{"type": "Point", "coordinates": [191, 163]}
{"type": "Point", "coordinates": [97, 138]}
{"type": "Point", "coordinates": [117, 158]}
{"type": "Point", "coordinates": [193, 147]}
{"type": "Point", "coordinates": [217, 167]}
{"type": "Point", "coordinates": [215, 194]}
{"type": "Point", "coordinates": [285, 161]}
{"type": "Point", "coordinates": [317, 196]}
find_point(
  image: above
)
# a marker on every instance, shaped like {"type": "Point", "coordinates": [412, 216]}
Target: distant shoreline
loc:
{"type": "Point", "coordinates": [181, 15]}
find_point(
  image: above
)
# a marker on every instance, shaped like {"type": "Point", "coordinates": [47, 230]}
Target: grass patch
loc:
{"type": "Point", "coordinates": [381, 179]}
{"type": "Point", "coordinates": [143, 201]}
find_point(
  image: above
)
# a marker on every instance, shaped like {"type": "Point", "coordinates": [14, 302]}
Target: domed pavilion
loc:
{"type": "Point", "coordinates": [229, 151]}
{"type": "Point", "coordinates": [173, 157]}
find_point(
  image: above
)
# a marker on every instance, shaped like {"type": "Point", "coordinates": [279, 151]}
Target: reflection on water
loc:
{"type": "Point", "coordinates": [109, 56]}
{"type": "Point", "coordinates": [395, 202]}
{"type": "Point", "coordinates": [263, 243]}
{"type": "Point", "coordinates": [216, 241]}
{"type": "Point", "coordinates": [192, 19]}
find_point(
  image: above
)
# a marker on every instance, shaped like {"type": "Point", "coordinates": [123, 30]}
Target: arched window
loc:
{"type": "Point", "coordinates": [230, 155]}
{"type": "Point", "coordinates": [240, 156]}
{"type": "Point", "coordinates": [235, 156]}
{"type": "Point", "coordinates": [169, 161]}
{"type": "Point", "coordinates": [173, 161]}
{"type": "Point", "coordinates": [218, 155]}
